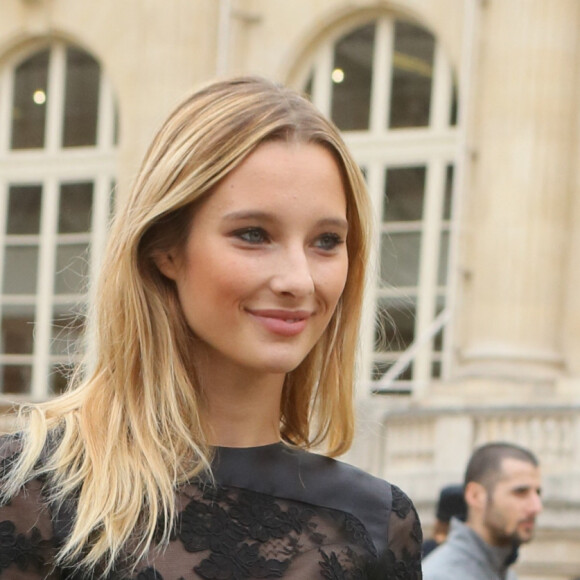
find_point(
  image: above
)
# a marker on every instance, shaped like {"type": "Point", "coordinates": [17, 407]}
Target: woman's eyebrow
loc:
{"type": "Point", "coordinates": [248, 214]}
{"type": "Point", "coordinates": [337, 222]}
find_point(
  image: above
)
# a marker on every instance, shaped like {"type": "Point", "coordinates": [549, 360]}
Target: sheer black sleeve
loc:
{"type": "Point", "coordinates": [405, 537]}
{"type": "Point", "coordinates": [27, 546]}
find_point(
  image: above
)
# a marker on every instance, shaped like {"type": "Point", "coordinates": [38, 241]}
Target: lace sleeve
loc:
{"type": "Point", "coordinates": [27, 546]}
{"type": "Point", "coordinates": [405, 538]}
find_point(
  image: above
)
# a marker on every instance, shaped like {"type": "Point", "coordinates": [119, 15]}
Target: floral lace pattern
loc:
{"type": "Point", "coordinates": [229, 533]}
{"type": "Point", "coordinates": [18, 548]}
{"type": "Point", "coordinates": [243, 534]}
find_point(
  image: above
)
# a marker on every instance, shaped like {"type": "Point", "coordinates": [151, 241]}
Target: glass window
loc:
{"type": "Point", "coordinates": [59, 377]}
{"type": "Point", "coordinates": [81, 99]}
{"type": "Point", "coordinates": [307, 90]}
{"type": "Point", "coordinates": [29, 102]}
{"type": "Point", "coordinates": [443, 258]}
{"type": "Point", "coordinates": [380, 368]}
{"type": "Point", "coordinates": [16, 378]}
{"type": "Point", "coordinates": [453, 108]}
{"type": "Point", "coordinates": [71, 269]}
{"type": "Point", "coordinates": [395, 329]}
{"type": "Point", "coordinates": [17, 330]}
{"type": "Point", "coordinates": [381, 84]}
{"type": "Point", "coordinates": [400, 253]}
{"type": "Point", "coordinates": [448, 192]}
{"type": "Point", "coordinates": [404, 194]}
{"type": "Point", "coordinates": [438, 342]}
{"type": "Point", "coordinates": [352, 78]}
{"type": "Point", "coordinates": [444, 240]}
{"type": "Point", "coordinates": [436, 369]}
{"type": "Point", "coordinates": [54, 203]}
{"type": "Point", "coordinates": [24, 209]}
{"type": "Point", "coordinates": [67, 330]}
{"type": "Point", "coordinates": [20, 269]}
{"type": "Point", "coordinates": [76, 203]}
{"type": "Point", "coordinates": [412, 76]}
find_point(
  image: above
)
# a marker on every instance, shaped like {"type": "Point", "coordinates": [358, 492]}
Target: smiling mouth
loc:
{"type": "Point", "coordinates": [281, 323]}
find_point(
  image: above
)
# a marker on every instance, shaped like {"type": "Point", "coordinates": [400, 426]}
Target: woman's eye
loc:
{"type": "Point", "coordinates": [252, 235]}
{"type": "Point", "coordinates": [329, 242]}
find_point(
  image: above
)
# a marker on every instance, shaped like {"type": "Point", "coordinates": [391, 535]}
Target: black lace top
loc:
{"type": "Point", "coordinates": [275, 512]}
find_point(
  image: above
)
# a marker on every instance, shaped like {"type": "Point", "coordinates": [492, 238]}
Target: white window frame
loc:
{"type": "Point", "coordinates": [50, 167]}
{"type": "Point", "coordinates": [377, 149]}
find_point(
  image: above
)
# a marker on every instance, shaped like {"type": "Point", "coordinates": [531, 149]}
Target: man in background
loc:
{"type": "Point", "coordinates": [502, 493]}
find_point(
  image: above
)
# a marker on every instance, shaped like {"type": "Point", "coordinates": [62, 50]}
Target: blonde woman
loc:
{"type": "Point", "coordinates": [226, 325]}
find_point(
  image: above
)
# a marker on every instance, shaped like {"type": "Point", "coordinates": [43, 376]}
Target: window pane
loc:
{"type": "Point", "coordinates": [449, 175]}
{"type": "Point", "coordinates": [71, 269]}
{"type": "Point", "coordinates": [24, 209]}
{"type": "Point", "coordinates": [438, 342]}
{"type": "Point", "coordinates": [116, 125]}
{"type": "Point", "coordinates": [438, 338]}
{"type": "Point", "coordinates": [395, 327]}
{"type": "Point", "coordinates": [29, 104]}
{"type": "Point", "coordinates": [16, 379]}
{"type": "Point", "coordinates": [453, 112]}
{"type": "Point", "coordinates": [380, 368]}
{"type": "Point", "coordinates": [67, 332]}
{"type": "Point", "coordinates": [76, 202]}
{"type": "Point", "coordinates": [81, 99]}
{"type": "Point", "coordinates": [309, 85]}
{"type": "Point", "coordinates": [59, 377]}
{"type": "Point", "coordinates": [17, 331]}
{"type": "Point", "coordinates": [436, 369]}
{"type": "Point", "coordinates": [404, 193]}
{"type": "Point", "coordinates": [443, 259]}
{"type": "Point", "coordinates": [20, 269]}
{"type": "Point", "coordinates": [400, 259]}
{"type": "Point", "coordinates": [351, 78]}
{"type": "Point", "coordinates": [412, 76]}
{"type": "Point", "coordinates": [112, 198]}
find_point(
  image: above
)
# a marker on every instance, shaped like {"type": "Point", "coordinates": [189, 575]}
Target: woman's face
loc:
{"type": "Point", "coordinates": [265, 262]}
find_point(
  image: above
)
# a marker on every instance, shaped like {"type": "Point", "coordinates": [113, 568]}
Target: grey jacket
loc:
{"type": "Point", "coordinates": [465, 556]}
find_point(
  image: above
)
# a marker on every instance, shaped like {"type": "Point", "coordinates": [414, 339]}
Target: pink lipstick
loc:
{"type": "Point", "coordinates": [282, 322]}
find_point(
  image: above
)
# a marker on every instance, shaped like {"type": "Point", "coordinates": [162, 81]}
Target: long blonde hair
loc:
{"type": "Point", "coordinates": [123, 437]}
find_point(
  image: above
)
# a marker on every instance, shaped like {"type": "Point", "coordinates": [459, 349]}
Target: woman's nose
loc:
{"type": "Point", "coordinates": [293, 273]}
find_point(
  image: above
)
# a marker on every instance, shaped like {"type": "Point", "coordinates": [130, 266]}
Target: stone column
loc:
{"type": "Point", "coordinates": [516, 226]}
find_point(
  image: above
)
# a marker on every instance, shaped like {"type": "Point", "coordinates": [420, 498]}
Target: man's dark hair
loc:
{"type": "Point", "coordinates": [485, 467]}
{"type": "Point", "coordinates": [451, 504]}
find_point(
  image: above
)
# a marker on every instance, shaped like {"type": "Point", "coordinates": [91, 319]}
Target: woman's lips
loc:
{"type": "Point", "coordinates": [282, 322]}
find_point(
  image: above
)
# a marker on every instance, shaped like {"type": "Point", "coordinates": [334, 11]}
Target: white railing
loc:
{"type": "Point", "coordinates": [421, 439]}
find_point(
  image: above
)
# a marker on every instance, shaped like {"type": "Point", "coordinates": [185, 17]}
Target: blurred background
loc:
{"type": "Point", "coordinates": [463, 115]}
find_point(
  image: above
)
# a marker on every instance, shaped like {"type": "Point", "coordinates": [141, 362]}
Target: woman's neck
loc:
{"type": "Point", "coordinates": [245, 411]}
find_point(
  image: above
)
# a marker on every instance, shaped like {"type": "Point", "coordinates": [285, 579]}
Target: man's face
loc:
{"type": "Point", "coordinates": [513, 504]}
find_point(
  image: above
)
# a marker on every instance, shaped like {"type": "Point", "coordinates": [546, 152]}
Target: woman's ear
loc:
{"type": "Point", "coordinates": [167, 264]}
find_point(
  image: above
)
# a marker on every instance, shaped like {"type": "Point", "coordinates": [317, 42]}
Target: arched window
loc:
{"type": "Point", "coordinates": [389, 88]}
{"type": "Point", "coordinates": [57, 171]}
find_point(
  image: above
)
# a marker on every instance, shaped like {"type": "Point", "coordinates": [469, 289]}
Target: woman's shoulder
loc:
{"type": "Point", "coordinates": [294, 474]}
{"type": "Point", "coordinates": [290, 470]}
{"type": "Point", "coordinates": [330, 472]}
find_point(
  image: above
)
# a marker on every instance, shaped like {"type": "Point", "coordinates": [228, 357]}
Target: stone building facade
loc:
{"type": "Point", "coordinates": [463, 114]}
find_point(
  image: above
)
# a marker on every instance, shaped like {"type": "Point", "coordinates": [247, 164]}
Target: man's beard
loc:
{"type": "Point", "coordinates": [499, 535]}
